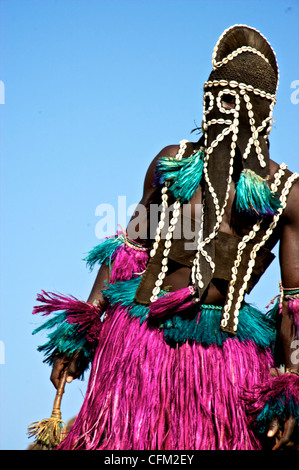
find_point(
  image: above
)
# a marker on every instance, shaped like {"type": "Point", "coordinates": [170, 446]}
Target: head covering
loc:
{"type": "Point", "coordinates": [235, 150]}
{"type": "Point", "coordinates": [244, 67]}
{"type": "Point", "coordinates": [245, 72]}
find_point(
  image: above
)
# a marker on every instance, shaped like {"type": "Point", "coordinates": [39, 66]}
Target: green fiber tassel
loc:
{"type": "Point", "coordinates": [274, 409]}
{"type": "Point", "coordinates": [65, 339]}
{"type": "Point", "coordinates": [254, 196]}
{"type": "Point", "coordinates": [184, 175]}
{"type": "Point", "coordinates": [123, 293]}
{"type": "Point", "coordinates": [104, 251]}
{"type": "Point", "coordinates": [204, 327]}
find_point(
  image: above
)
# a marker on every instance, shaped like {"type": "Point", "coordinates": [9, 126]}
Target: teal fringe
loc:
{"type": "Point", "coordinates": [183, 175]}
{"type": "Point", "coordinates": [66, 339]}
{"type": "Point", "coordinates": [204, 325]}
{"type": "Point", "coordinates": [277, 409]}
{"type": "Point", "coordinates": [104, 251]}
{"type": "Point", "coordinates": [123, 293]}
{"type": "Point", "coordinates": [254, 196]}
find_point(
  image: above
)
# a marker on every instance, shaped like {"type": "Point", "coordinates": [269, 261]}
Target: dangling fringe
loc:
{"type": "Point", "coordinates": [128, 258]}
{"type": "Point", "coordinates": [50, 432]}
{"type": "Point", "coordinates": [105, 251]}
{"type": "Point", "coordinates": [172, 301]}
{"type": "Point", "coordinates": [184, 175]}
{"type": "Point", "coordinates": [66, 339]}
{"type": "Point", "coordinates": [128, 262]}
{"type": "Point", "coordinates": [200, 323]}
{"type": "Point", "coordinates": [277, 397]}
{"type": "Point", "coordinates": [53, 302]}
{"type": "Point", "coordinates": [253, 195]}
{"type": "Point", "coordinates": [123, 294]}
{"type": "Point", "coordinates": [77, 326]}
{"type": "Point", "coordinates": [203, 326]}
{"type": "Point", "coordinates": [144, 395]}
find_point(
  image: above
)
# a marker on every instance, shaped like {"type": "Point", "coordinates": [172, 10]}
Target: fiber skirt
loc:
{"type": "Point", "coordinates": [146, 393]}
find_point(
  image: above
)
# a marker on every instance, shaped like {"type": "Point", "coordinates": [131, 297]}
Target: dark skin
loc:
{"type": "Point", "coordinates": [287, 233]}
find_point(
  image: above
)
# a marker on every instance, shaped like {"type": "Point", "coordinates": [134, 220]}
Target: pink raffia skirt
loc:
{"type": "Point", "coordinates": [144, 394]}
{"type": "Point", "coordinates": [174, 382]}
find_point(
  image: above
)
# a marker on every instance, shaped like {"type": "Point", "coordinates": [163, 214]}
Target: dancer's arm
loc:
{"type": "Point", "coordinates": [289, 263]}
{"type": "Point", "coordinates": [62, 362]}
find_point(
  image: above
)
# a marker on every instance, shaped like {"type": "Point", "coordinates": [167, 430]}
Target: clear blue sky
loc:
{"type": "Point", "coordinates": [93, 90]}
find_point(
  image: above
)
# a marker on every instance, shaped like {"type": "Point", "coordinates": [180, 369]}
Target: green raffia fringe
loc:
{"type": "Point", "coordinates": [281, 408]}
{"type": "Point", "coordinates": [66, 339]}
{"type": "Point", "coordinates": [275, 397]}
{"type": "Point", "coordinates": [104, 251]}
{"type": "Point", "coordinates": [202, 324]}
{"type": "Point", "coordinates": [183, 175]}
{"type": "Point", "coordinates": [254, 196]}
{"type": "Point", "coordinates": [204, 327]}
{"type": "Point", "coordinates": [123, 293]}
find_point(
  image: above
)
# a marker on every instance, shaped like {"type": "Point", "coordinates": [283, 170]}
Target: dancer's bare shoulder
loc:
{"type": "Point", "coordinates": [149, 181]}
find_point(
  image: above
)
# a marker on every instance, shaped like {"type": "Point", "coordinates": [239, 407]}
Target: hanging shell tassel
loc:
{"type": "Point", "coordinates": [50, 432]}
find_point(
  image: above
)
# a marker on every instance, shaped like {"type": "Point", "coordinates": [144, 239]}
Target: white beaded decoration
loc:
{"type": "Point", "coordinates": [253, 254]}
{"type": "Point", "coordinates": [195, 273]}
{"type": "Point", "coordinates": [241, 86]}
{"type": "Point", "coordinates": [164, 197]}
{"type": "Point", "coordinates": [171, 228]}
{"type": "Point", "coordinates": [216, 64]}
{"type": "Point", "coordinates": [244, 91]}
{"type": "Point", "coordinates": [241, 247]}
{"type": "Point", "coordinates": [246, 239]}
{"type": "Point", "coordinates": [238, 51]}
{"type": "Point", "coordinates": [234, 129]}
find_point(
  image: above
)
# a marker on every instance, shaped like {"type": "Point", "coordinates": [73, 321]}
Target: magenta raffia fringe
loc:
{"type": "Point", "coordinates": [145, 395]}
{"type": "Point", "coordinates": [276, 396]}
{"type": "Point", "coordinates": [128, 262]}
{"type": "Point", "coordinates": [78, 312]}
{"type": "Point", "coordinates": [172, 301]}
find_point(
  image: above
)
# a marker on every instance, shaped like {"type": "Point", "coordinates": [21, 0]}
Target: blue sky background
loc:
{"type": "Point", "coordinates": [93, 90]}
